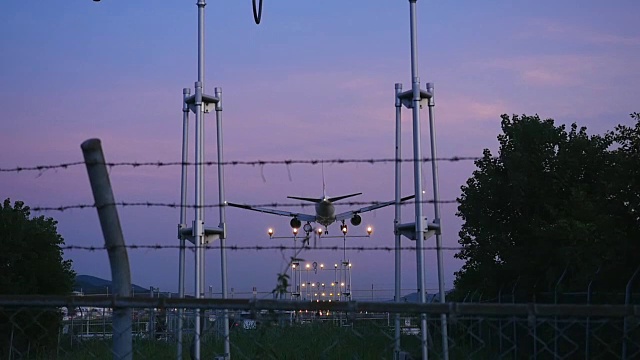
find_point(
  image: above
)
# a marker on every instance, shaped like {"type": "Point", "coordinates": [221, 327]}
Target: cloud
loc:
{"type": "Point", "coordinates": [461, 107]}
{"type": "Point", "coordinates": [550, 70]}
{"type": "Point", "coordinates": [548, 29]}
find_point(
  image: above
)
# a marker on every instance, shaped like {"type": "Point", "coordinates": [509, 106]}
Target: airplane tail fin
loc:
{"type": "Point", "coordinates": [324, 188]}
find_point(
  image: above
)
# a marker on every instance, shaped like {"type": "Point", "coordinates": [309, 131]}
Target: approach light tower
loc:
{"type": "Point", "coordinates": [200, 104]}
{"type": "Point", "coordinates": [420, 230]}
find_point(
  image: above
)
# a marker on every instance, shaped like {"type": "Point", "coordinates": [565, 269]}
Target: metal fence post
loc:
{"type": "Point", "coordinates": [114, 242]}
{"type": "Point", "coordinates": [627, 301]}
{"type": "Point", "coordinates": [587, 344]}
{"type": "Point", "coordinates": [555, 301]}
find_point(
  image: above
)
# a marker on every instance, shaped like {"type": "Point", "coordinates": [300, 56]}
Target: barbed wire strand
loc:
{"type": "Point", "coordinates": [135, 164]}
{"type": "Point", "coordinates": [208, 206]}
{"type": "Point", "coordinates": [256, 247]}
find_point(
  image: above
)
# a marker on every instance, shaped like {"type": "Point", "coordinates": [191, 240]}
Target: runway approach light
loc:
{"type": "Point", "coordinates": [270, 232]}
{"type": "Point", "coordinates": [344, 229]}
{"type": "Point", "coordinates": [369, 230]}
{"type": "Point", "coordinates": [319, 231]}
{"type": "Point", "coordinates": [295, 231]}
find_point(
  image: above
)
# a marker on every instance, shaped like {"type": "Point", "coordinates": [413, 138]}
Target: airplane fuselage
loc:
{"type": "Point", "coordinates": [325, 212]}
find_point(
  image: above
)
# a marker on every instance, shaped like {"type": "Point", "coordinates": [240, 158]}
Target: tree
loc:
{"type": "Point", "coordinates": [31, 262]}
{"type": "Point", "coordinates": [549, 207]}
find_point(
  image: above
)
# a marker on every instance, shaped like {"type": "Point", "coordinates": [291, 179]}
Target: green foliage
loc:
{"type": "Point", "coordinates": [31, 262]}
{"type": "Point", "coordinates": [552, 202]}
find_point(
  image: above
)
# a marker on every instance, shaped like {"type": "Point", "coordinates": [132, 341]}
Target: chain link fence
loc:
{"type": "Point", "coordinates": [77, 327]}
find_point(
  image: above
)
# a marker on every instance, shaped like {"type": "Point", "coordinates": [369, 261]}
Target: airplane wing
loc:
{"type": "Point", "coordinates": [299, 216]}
{"type": "Point", "coordinates": [349, 214]}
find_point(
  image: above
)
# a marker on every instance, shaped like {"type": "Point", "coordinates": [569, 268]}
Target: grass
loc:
{"type": "Point", "coordinates": [307, 341]}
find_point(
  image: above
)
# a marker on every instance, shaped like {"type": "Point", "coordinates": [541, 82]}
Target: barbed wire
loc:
{"type": "Point", "coordinates": [208, 206]}
{"type": "Point", "coordinates": [258, 247]}
{"type": "Point", "coordinates": [135, 164]}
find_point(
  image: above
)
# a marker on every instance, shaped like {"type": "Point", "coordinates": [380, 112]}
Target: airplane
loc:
{"type": "Point", "coordinates": [325, 211]}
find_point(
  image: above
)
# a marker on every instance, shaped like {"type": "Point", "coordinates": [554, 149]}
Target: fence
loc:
{"type": "Point", "coordinates": [83, 327]}
{"type": "Point", "coordinates": [43, 327]}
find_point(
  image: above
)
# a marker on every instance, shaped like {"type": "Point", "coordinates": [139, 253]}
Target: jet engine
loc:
{"type": "Point", "coordinates": [356, 220]}
{"type": "Point", "coordinates": [295, 223]}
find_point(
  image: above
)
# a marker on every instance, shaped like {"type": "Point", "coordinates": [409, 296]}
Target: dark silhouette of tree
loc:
{"type": "Point", "coordinates": [552, 202]}
{"type": "Point", "coordinates": [31, 262]}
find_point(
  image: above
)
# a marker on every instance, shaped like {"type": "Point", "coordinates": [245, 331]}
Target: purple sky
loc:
{"type": "Point", "coordinates": [314, 81]}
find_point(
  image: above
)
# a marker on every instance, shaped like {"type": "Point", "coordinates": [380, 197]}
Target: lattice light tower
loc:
{"type": "Point", "coordinates": [419, 230]}
{"type": "Point", "coordinates": [200, 104]}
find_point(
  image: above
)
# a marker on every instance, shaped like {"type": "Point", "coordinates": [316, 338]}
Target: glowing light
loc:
{"type": "Point", "coordinates": [369, 230]}
{"type": "Point", "coordinates": [308, 266]}
{"type": "Point", "coordinates": [295, 231]}
{"type": "Point", "coordinates": [270, 232]}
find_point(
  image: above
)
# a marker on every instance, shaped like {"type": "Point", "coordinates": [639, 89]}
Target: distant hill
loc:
{"type": "Point", "coordinates": [88, 284]}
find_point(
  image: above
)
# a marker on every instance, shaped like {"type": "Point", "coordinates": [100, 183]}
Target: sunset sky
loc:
{"type": "Point", "coordinates": [315, 80]}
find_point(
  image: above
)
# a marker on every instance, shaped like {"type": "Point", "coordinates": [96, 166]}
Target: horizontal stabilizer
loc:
{"type": "Point", "coordinates": [305, 199]}
{"type": "Point", "coordinates": [338, 198]}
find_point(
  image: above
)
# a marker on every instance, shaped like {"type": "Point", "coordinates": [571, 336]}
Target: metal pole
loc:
{"type": "Point", "coordinates": [627, 301]}
{"type": "Point", "coordinates": [555, 301]}
{"type": "Point", "coordinates": [198, 224]}
{"type": "Point", "coordinates": [114, 242]}
{"type": "Point", "coordinates": [223, 251]}
{"type": "Point", "coordinates": [417, 173]}
{"type": "Point", "coordinates": [152, 318]}
{"type": "Point", "coordinates": [436, 210]}
{"type": "Point", "coordinates": [201, 4]}
{"type": "Point", "coordinates": [183, 213]}
{"type": "Point", "coordinates": [587, 342]}
{"type": "Point", "coordinates": [398, 212]}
